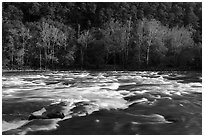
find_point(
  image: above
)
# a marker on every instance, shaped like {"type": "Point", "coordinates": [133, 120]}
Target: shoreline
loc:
{"type": "Point", "coordinates": [48, 70]}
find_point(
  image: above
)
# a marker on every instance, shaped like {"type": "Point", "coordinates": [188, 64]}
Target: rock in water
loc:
{"type": "Point", "coordinates": [50, 112]}
{"type": "Point", "coordinates": [56, 115]}
{"type": "Point", "coordinates": [31, 117]}
{"type": "Point", "coordinates": [48, 116]}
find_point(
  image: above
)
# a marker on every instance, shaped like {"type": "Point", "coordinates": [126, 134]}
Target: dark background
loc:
{"type": "Point", "coordinates": [119, 36]}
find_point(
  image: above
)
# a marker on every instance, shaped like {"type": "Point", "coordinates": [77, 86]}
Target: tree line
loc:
{"type": "Point", "coordinates": [111, 35]}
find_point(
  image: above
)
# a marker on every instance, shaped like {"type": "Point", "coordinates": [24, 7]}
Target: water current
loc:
{"type": "Point", "coordinates": [113, 102]}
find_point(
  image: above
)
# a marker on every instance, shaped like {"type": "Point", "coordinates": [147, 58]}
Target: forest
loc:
{"type": "Point", "coordinates": [102, 35]}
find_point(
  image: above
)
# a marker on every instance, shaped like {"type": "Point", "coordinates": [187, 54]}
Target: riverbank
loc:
{"type": "Point", "coordinates": [103, 69]}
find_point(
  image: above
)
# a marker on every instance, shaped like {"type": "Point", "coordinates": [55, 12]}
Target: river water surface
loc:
{"type": "Point", "coordinates": [113, 102]}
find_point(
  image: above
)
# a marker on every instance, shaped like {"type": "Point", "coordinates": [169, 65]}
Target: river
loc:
{"type": "Point", "coordinates": [101, 103]}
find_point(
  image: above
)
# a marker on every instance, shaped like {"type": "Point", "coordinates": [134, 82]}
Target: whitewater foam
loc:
{"type": "Point", "coordinates": [93, 93]}
{"type": "Point", "coordinates": [12, 124]}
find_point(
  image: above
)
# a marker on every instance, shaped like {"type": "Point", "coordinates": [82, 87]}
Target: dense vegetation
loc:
{"type": "Point", "coordinates": [99, 35]}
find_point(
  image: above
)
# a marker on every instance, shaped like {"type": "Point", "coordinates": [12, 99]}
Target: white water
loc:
{"type": "Point", "coordinates": [100, 91]}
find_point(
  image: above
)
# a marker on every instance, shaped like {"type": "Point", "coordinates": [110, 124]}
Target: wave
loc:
{"type": "Point", "coordinates": [12, 124]}
{"type": "Point", "coordinates": [150, 119]}
{"type": "Point", "coordinates": [86, 93]}
{"type": "Point", "coordinates": [23, 127]}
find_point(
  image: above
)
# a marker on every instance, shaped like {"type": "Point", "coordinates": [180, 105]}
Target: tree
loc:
{"type": "Point", "coordinates": [12, 13]}
{"type": "Point", "coordinates": [128, 29]}
{"type": "Point", "coordinates": [55, 34]}
{"type": "Point", "coordinates": [25, 36]}
{"type": "Point", "coordinates": [54, 37]}
{"type": "Point", "coordinates": [84, 38]}
{"type": "Point", "coordinates": [179, 39]}
{"type": "Point", "coordinates": [151, 28]}
{"type": "Point", "coordinates": [11, 49]}
{"type": "Point", "coordinates": [96, 50]}
{"type": "Point", "coordinates": [16, 40]}
{"type": "Point", "coordinates": [137, 38]}
{"type": "Point", "coordinates": [66, 47]}
{"type": "Point", "coordinates": [117, 38]}
{"type": "Point", "coordinates": [149, 35]}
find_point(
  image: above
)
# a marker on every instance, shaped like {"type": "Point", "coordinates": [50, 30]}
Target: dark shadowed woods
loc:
{"type": "Point", "coordinates": [133, 36]}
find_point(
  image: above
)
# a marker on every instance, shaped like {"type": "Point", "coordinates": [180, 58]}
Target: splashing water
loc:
{"type": "Point", "coordinates": [172, 102]}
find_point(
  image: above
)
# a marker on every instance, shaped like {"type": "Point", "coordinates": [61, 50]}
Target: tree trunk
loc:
{"type": "Point", "coordinates": [81, 51]}
{"type": "Point", "coordinates": [40, 60]}
{"type": "Point", "coordinates": [85, 58]}
{"type": "Point", "coordinates": [45, 57]}
{"type": "Point", "coordinates": [148, 48]}
{"type": "Point", "coordinates": [123, 59]}
{"type": "Point", "coordinates": [147, 56]}
{"type": "Point", "coordinates": [23, 52]}
{"type": "Point", "coordinates": [127, 48]}
{"type": "Point", "coordinates": [139, 59]}
{"type": "Point", "coordinates": [53, 52]}
{"type": "Point", "coordinates": [114, 60]}
{"type": "Point", "coordinates": [126, 58]}
{"type": "Point", "coordinates": [82, 57]}
{"type": "Point", "coordinates": [12, 58]}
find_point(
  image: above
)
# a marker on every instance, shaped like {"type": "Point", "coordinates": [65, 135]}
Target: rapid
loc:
{"type": "Point", "coordinates": [112, 102]}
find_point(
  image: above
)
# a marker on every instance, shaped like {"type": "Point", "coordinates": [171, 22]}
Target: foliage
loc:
{"type": "Point", "coordinates": [131, 35]}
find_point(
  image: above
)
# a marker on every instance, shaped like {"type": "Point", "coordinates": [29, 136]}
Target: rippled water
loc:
{"type": "Point", "coordinates": [114, 102]}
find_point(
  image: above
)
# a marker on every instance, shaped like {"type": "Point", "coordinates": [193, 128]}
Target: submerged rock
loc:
{"type": "Point", "coordinates": [49, 112]}
{"type": "Point", "coordinates": [47, 116]}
